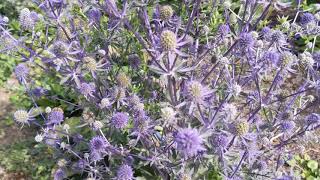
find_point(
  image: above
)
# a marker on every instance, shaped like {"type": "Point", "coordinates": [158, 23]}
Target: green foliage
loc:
{"type": "Point", "coordinates": [32, 159]}
{"type": "Point", "coordinates": [6, 67]}
{"type": "Point", "coordinates": [305, 167]}
{"type": "Point", "coordinates": [10, 8]}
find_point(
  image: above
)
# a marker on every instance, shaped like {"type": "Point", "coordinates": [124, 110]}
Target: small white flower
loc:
{"type": "Point", "coordinates": [86, 155]}
{"type": "Point", "coordinates": [63, 145]}
{"type": "Point", "coordinates": [48, 110]}
{"type": "Point", "coordinates": [5, 19]}
{"type": "Point", "coordinates": [38, 138]}
{"type": "Point", "coordinates": [38, 33]}
{"type": "Point", "coordinates": [255, 34]}
{"type": "Point", "coordinates": [101, 52]}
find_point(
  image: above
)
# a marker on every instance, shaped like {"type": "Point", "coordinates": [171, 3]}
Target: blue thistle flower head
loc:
{"type": "Point", "coordinates": [313, 119]}
{"type": "Point", "coordinates": [220, 141]}
{"type": "Point", "coordinates": [98, 144]}
{"type": "Point", "coordinates": [316, 57]}
{"type": "Point", "coordinates": [34, 16]}
{"type": "Point", "coordinates": [59, 48]}
{"type": "Point", "coordinates": [87, 89]}
{"type": "Point", "coordinates": [39, 91]}
{"type": "Point", "coordinates": [134, 61]}
{"type": "Point", "coordinates": [25, 19]}
{"type": "Point", "coordinates": [94, 15]}
{"type": "Point", "coordinates": [59, 174]}
{"type": "Point", "coordinates": [168, 40]}
{"type": "Point", "coordinates": [287, 126]}
{"type": "Point", "coordinates": [224, 30]}
{"type": "Point", "coordinates": [197, 92]}
{"type": "Point", "coordinates": [189, 142]}
{"type": "Point", "coordinates": [80, 165]}
{"type": "Point", "coordinates": [119, 120]}
{"type": "Point", "coordinates": [56, 116]}
{"type": "Point", "coordinates": [124, 172]}
{"type": "Point", "coordinates": [260, 165]}
{"type": "Point", "coordinates": [271, 56]}
{"type": "Point", "coordinates": [277, 37]}
{"type": "Point", "coordinates": [95, 156]}
{"type": "Point", "coordinates": [21, 71]}
{"type": "Point", "coordinates": [246, 41]}
{"type": "Point", "coordinates": [265, 31]}
{"type": "Point", "coordinates": [306, 18]}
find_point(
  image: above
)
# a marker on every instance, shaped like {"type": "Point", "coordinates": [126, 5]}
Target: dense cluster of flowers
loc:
{"type": "Point", "coordinates": [174, 95]}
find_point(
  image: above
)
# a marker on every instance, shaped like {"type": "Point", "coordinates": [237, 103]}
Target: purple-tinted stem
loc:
{"type": "Point", "coordinates": [296, 93]}
{"type": "Point", "coordinates": [250, 17]}
{"type": "Point", "coordinates": [209, 73]}
{"type": "Point", "coordinates": [218, 109]}
{"type": "Point", "coordinates": [142, 42]}
{"type": "Point", "coordinates": [283, 143]}
{"type": "Point", "coordinates": [278, 162]}
{"type": "Point", "coordinates": [192, 16]}
{"type": "Point", "coordinates": [264, 13]}
{"type": "Point", "coordinates": [294, 98]}
{"type": "Point", "coordinates": [231, 142]}
{"type": "Point", "coordinates": [147, 24]}
{"type": "Point", "coordinates": [32, 98]}
{"type": "Point", "coordinates": [203, 120]}
{"type": "Point", "coordinates": [63, 29]}
{"type": "Point", "coordinates": [312, 104]}
{"type": "Point", "coordinates": [243, 16]}
{"type": "Point", "coordinates": [239, 164]}
{"type": "Point", "coordinates": [273, 83]}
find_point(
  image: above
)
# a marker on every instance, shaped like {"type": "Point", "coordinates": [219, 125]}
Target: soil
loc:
{"type": "Point", "coordinates": [9, 134]}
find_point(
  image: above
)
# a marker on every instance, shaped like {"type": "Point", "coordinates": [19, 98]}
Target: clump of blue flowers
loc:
{"type": "Point", "coordinates": [161, 91]}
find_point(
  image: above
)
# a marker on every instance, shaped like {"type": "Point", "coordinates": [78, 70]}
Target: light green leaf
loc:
{"type": "Point", "coordinates": [313, 165]}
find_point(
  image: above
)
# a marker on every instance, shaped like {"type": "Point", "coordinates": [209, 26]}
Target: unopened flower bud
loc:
{"type": "Point", "coordinates": [38, 138]}
{"type": "Point", "coordinates": [5, 19]}
{"type": "Point", "coordinates": [241, 128]}
{"type": "Point", "coordinates": [101, 52]}
{"type": "Point", "coordinates": [166, 13]}
{"type": "Point", "coordinates": [48, 110]}
{"type": "Point", "coordinates": [168, 40]}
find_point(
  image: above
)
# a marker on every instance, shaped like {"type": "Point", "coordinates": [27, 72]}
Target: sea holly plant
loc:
{"type": "Point", "coordinates": [163, 91]}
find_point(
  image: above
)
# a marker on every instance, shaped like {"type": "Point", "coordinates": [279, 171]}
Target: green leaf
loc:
{"type": "Point", "coordinates": [311, 178]}
{"type": "Point", "coordinates": [292, 162]}
{"type": "Point", "coordinates": [313, 165]}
